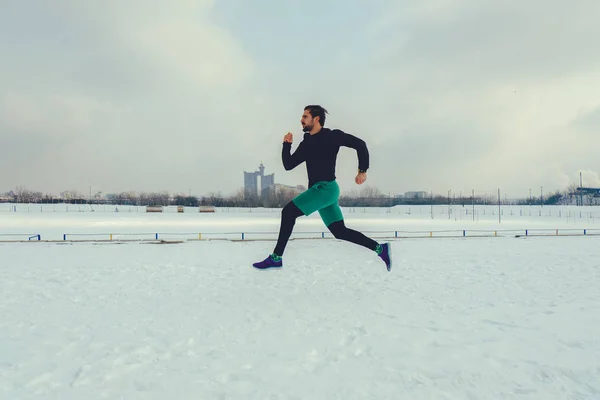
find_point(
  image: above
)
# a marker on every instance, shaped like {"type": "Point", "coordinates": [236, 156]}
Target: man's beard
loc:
{"type": "Point", "coordinates": [307, 128]}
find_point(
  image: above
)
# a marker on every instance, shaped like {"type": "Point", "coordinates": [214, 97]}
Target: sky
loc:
{"type": "Point", "coordinates": [184, 96]}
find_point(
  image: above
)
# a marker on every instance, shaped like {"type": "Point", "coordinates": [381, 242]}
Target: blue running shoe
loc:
{"type": "Point", "coordinates": [386, 255]}
{"type": "Point", "coordinates": [269, 262]}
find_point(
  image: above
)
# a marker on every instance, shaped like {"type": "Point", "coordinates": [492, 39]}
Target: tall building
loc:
{"type": "Point", "coordinates": [251, 186]}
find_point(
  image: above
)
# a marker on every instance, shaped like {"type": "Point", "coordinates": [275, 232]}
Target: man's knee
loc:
{"type": "Point", "coordinates": [291, 211]}
{"type": "Point", "coordinates": [338, 229]}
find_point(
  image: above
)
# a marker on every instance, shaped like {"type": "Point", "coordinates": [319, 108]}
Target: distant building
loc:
{"type": "Point", "coordinates": [251, 185]}
{"type": "Point", "coordinates": [415, 195]}
{"type": "Point", "coordinates": [587, 196]}
{"type": "Point", "coordinates": [286, 189]}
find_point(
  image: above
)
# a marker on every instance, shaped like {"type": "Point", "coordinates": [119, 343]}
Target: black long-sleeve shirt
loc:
{"type": "Point", "coordinates": [320, 151]}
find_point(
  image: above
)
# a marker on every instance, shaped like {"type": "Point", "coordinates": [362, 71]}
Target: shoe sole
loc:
{"type": "Point", "coordinates": [264, 269]}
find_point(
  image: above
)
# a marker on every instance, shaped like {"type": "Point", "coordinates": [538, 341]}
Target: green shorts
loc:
{"type": "Point", "coordinates": [322, 197]}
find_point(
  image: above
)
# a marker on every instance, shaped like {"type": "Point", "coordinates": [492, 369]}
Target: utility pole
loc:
{"type": "Point", "coordinates": [449, 204]}
{"type": "Point", "coordinates": [499, 210]}
{"type": "Point", "coordinates": [431, 200]}
{"type": "Point", "coordinates": [473, 201]}
{"type": "Point", "coordinates": [580, 190]}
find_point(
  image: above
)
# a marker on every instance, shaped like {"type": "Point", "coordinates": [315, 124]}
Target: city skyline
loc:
{"type": "Point", "coordinates": [535, 193]}
{"type": "Point", "coordinates": [250, 184]}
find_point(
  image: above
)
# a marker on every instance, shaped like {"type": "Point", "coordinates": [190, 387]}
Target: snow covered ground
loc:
{"type": "Point", "coordinates": [494, 317]}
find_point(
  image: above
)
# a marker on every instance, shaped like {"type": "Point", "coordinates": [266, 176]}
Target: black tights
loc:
{"type": "Point", "coordinates": [291, 212]}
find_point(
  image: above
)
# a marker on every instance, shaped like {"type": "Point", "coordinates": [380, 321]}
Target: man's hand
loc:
{"type": "Point", "coordinates": [360, 178]}
{"type": "Point", "coordinates": [288, 138]}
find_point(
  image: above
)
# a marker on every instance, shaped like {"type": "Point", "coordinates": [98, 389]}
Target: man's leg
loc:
{"type": "Point", "coordinates": [342, 232]}
{"type": "Point", "coordinates": [303, 204]}
{"type": "Point", "coordinates": [288, 219]}
{"type": "Point", "coordinates": [333, 219]}
{"type": "Point", "coordinates": [300, 205]}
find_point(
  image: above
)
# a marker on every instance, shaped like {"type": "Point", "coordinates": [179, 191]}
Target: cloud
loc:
{"type": "Point", "coordinates": [588, 120]}
{"type": "Point", "coordinates": [500, 40]}
{"type": "Point", "coordinates": [448, 94]}
{"type": "Point", "coordinates": [52, 115]}
{"type": "Point", "coordinates": [136, 95]}
{"type": "Point", "coordinates": [494, 84]}
{"type": "Point", "coordinates": [178, 43]}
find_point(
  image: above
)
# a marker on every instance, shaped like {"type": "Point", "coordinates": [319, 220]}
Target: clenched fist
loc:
{"type": "Point", "coordinates": [360, 178]}
{"type": "Point", "coordinates": [288, 138]}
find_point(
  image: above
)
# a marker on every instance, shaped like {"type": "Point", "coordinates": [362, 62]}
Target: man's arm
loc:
{"type": "Point", "coordinates": [359, 145]}
{"type": "Point", "coordinates": [291, 161]}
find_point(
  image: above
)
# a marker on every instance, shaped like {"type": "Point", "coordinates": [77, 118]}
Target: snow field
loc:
{"type": "Point", "coordinates": [457, 318]}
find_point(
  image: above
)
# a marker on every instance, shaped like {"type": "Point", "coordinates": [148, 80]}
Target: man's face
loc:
{"type": "Point", "coordinates": [307, 121]}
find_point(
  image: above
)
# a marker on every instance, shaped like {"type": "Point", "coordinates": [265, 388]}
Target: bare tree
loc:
{"type": "Point", "coordinates": [571, 193]}
{"type": "Point", "coordinates": [23, 195]}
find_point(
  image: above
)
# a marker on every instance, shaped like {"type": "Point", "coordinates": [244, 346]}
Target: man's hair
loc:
{"type": "Point", "coordinates": [317, 111]}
